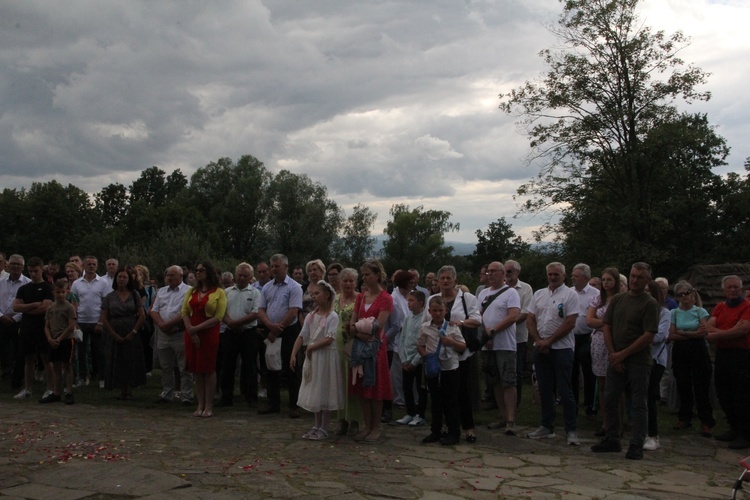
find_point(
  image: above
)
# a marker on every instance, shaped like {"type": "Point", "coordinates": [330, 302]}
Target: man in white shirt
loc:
{"type": "Point", "coordinates": [526, 294]}
{"type": "Point", "coordinates": [11, 356]}
{"type": "Point", "coordinates": [580, 277]}
{"type": "Point", "coordinates": [166, 312]}
{"type": "Point", "coordinates": [111, 266]}
{"type": "Point", "coordinates": [240, 338]}
{"type": "Point", "coordinates": [500, 306]}
{"type": "Point", "coordinates": [552, 316]}
{"type": "Point", "coordinates": [91, 290]}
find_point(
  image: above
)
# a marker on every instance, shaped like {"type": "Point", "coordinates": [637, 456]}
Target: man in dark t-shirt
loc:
{"type": "Point", "coordinates": [630, 323]}
{"type": "Point", "coordinates": [32, 301]}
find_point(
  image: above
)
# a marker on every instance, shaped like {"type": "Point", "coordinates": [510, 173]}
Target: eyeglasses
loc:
{"type": "Point", "coordinates": [685, 294]}
{"type": "Point", "coordinates": [509, 271]}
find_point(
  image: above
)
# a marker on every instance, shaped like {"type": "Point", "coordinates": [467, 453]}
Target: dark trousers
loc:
{"type": "Point", "coordinates": [444, 399]}
{"type": "Point", "coordinates": [273, 381]}
{"type": "Point", "coordinates": [96, 342]}
{"type": "Point", "coordinates": [466, 383]}
{"type": "Point", "coordinates": [653, 398]}
{"type": "Point", "coordinates": [408, 379]}
{"type": "Point", "coordinates": [582, 364]}
{"type": "Point", "coordinates": [11, 354]}
{"type": "Point", "coordinates": [636, 377]}
{"type": "Point", "coordinates": [732, 377]}
{"type": "Point", "coordinates": [243, 344]}
{"type": "Point", "coordinates": [487, 360]}
{"type": "Point", "coordinates": [388, 403]}
{"type": "Point", "coordinates": [520, 367]}
{"type": "Point", "coordinates": [553, 369]}
{"type": "Point", "coordinates": [691, 366]}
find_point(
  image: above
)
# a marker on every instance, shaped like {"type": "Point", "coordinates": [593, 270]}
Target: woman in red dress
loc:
{"type": "Point", "coordinates": [202, 310]}
{"type": "Point", "coordinates": [377, 303]}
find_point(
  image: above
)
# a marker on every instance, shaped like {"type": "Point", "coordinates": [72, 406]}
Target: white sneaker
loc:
{"type": "Point", "coordinates": [417, 421]}
{"type": "Point", "coordinates": [541, 433]}
{"type": "Point", "coordinates": [573, 439]}
{"type": "Point", "coordinates": [262, 393]}
{"type": "Point", "coordinates": [24, 394]}
{"type": "Point", "coordinates": [651, 443]}
{"type": "Point", "coordinates": [405, 420]}
{"type": "Point", "coordinates": [101, 384]}
{"type": "Point", "coordinates": [46, 393]}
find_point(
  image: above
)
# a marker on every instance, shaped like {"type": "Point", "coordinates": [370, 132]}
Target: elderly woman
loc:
{"type": "Point", "coordinates": [461, 310]}
{"type": "Point", "coordinates": [333, 276]}
{"type": "Point", "coordinates": [691, 363]}
{"type": "Point", "coordinates": [202, 311]}
{"type": "Point", "coordinates": [122, 318]}
{"type": "Point", "coordinates": [375, 303]}
{"type": "Point", "coordinates": [343, 305]}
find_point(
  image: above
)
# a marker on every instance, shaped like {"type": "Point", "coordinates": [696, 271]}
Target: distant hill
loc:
{"type": "Point", "coordinates": [459, 248]}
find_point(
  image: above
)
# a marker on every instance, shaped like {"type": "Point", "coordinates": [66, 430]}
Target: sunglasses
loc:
{"type": "Point", "coordinates": [685, 294]}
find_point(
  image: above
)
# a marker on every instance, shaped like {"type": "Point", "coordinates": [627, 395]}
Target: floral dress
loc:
{"type": "Point", "coordinates": [599, 353]}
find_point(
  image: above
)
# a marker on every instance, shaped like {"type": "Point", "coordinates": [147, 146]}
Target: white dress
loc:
{"type": "Point", "coordinates": [322, 382]}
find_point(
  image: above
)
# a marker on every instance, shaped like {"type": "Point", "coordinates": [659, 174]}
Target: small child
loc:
{"type": "Point", "coordinates": [322, 388]}
{"type": "Point", "coordinates": [412, 360]}
{"type": "Point", "coordinates": [444, 388]}
{"type": "Point", "coordinates": [60, 322]}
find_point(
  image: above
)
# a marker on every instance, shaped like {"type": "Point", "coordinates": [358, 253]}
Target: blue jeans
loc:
{"type": "Point", "coordinates": [554, 368]}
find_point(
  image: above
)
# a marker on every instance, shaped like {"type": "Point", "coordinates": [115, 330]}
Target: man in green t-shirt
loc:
{"type": "Point", "coordinates": [630, 323]}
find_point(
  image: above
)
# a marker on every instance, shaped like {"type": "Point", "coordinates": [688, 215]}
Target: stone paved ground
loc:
{"type": "Point", "coordinates": [85, 451]}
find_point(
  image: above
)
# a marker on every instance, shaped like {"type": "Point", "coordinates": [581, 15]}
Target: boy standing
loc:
{"type": "Point", "coordinates": [412, 362]}
{"type": "Point", "coordinates": [60, 322]}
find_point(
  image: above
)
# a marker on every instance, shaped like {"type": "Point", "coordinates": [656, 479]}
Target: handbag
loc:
{"type": "Point", "coordinates": [471, 334]}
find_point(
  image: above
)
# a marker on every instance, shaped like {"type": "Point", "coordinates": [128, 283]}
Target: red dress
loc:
{"type": "Point", "coordinates": [202, 359]}
{"type": "Point", "coordinates": [382, 389]}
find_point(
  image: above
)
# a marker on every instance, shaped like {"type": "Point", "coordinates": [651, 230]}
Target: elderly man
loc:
{"type": "Point", "coordinates": [526, 294]}
{"type": "Point", "coordinates": [111, 265]}
{"type": "Point", "coordinates": [500, 306]}
{"type": "Point", "coordinates": [11, 356]}
{"type": "Point", "coordinates": [280, 303]}
{"type": "Point", "coordinates": [170, 345]}
{"type": "Point", "coordinates": [729, 329]}
{"type": "Point", "coordinates": [630, 323]}
{"type": "Point", "coordinates": [240, 338]}
{"type": "Point", "coordinates": [262, 275]}
{"type": "Point", "coordinates": [582, 333]}
{"type": "Point", "coordinates": [91, 290]}
{"type": "Point", "coordinates": [552, 315]}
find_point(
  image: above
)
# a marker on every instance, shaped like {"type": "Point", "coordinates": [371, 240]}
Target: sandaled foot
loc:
{"type": "Point", "coordinates": [207, 414]}
{"type": "Point", "coordinates": [375, 436]}
{"type": "Point", "coordinates": [198, 412]}
{"type": "Point", "coordinates": [319, 435]}
{"type": "Point", "coordinates": [362, 435]}
{"type": "Point", "coordinates": [309, 434]}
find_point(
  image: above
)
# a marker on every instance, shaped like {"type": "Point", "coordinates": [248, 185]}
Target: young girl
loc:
{"type": "Point", "coordinates": [322, 382]}
{"type": "Point", "coordinates": [444, 388]}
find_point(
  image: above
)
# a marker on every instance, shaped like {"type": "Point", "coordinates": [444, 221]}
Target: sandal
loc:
{"type": "Point", "coordinates": [309, 434]}
{"type": "Point", "coordinates": [319, 435]}
{"type": "Point", "coordinates": [471, 438]}
{"type": "Point", "coordinates": [207, 414]}
{"type": "Point", "coordinates": [375, 436]}
{"type": "Point", "coordinates": [198, 413]}
{"type": "Point", "coordinates": [362, 435]}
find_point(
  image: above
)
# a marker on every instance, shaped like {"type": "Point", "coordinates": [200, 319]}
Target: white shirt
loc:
{"type": "Point", "coordinates": [240, 303]}
{"type": "Point", "coordinates": [527, 295]}
{"type": "Point", "coordinates": [497, 311]}
{"type": "Point", "coordinates": [90, 294]}
{"type": "Point", "coordinates": [584, 299]}
{"type": "Point", "coordinates": [550, 309]}
{"type": "Point", "coordinates": [168, 301]}
{"type": "Point", "coordinates": [8, 292]}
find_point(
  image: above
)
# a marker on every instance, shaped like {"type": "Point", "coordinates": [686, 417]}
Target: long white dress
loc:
{"type": "Point", "coordinates": [322, 382]}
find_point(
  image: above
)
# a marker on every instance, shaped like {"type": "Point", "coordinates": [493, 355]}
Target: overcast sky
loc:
{"type": "Point", "coordinates": [382, 102]}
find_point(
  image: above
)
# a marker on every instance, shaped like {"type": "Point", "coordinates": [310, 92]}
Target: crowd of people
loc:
{"type": "Point", "coordinates": [350, 344]}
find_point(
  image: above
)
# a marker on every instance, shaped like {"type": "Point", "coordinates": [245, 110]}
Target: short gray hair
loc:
{"type": "Point", "coordinates": [731, 277]}
{"type": "Point", "coordinates": [558, 265]}
{"type": "Point", "coordinates": [348, 271]}
{"type": "Point", "coordinates": [279, 257]}
{"type": "Point", "coordinates": [447, 269]}
{"type": "Point", "coordinates": [515, 265]}
{"type": "Point", "coordinates": [585, 269]}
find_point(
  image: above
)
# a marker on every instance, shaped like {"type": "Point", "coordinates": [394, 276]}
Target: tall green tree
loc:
{"type": "Point", "coordinates": [355, 242]}
{"type": "Point", "coordinates": [416, 238]}
{"type": "Point", "coordinates": [498, 242]}
{"type": "Point", "coordinates": [112, 203]}
{"type": "Point", "coordinates": [594, 118]}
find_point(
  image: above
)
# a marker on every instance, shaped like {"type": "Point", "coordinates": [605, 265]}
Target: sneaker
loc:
{"type": "Point", "coordinates": [510, 429]}
{"type": "Point", "coordinates": [607, 446]}
{"type": "Point", "coordinates": [651, 443]}
{"type": "Point", "coordinates": [24, 394]}
{"type": "Point", "coordinates": [417, 421]}
{"type": "Point", "coordinates": [405, 420]}
{"type": "Point", "coordinates": [101, 384]}
{"type": "Point", "coordinates": [634, 452]}
{"type": "Point", "coordinates": [541, 433]}
{"type": "Point", "coordinates": [431, 438]}
{"type": "Point", "coordinates": [46, 393]}
{"type": "Point", "coordinates": [50, 398]}
{"type": "Point", "coordinates": [573, 439]}
{"type": "Point", "coordinates": [79, 383]}
{"type": "Point", "coordinates": [69, 399]}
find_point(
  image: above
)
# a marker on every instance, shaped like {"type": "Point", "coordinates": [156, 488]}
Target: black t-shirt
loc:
{"type": "Point", "coordinates": [30, 293]}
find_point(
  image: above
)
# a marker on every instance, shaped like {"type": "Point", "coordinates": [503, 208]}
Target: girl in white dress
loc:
{"type": "Point", "coordinates": [322, 383]}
